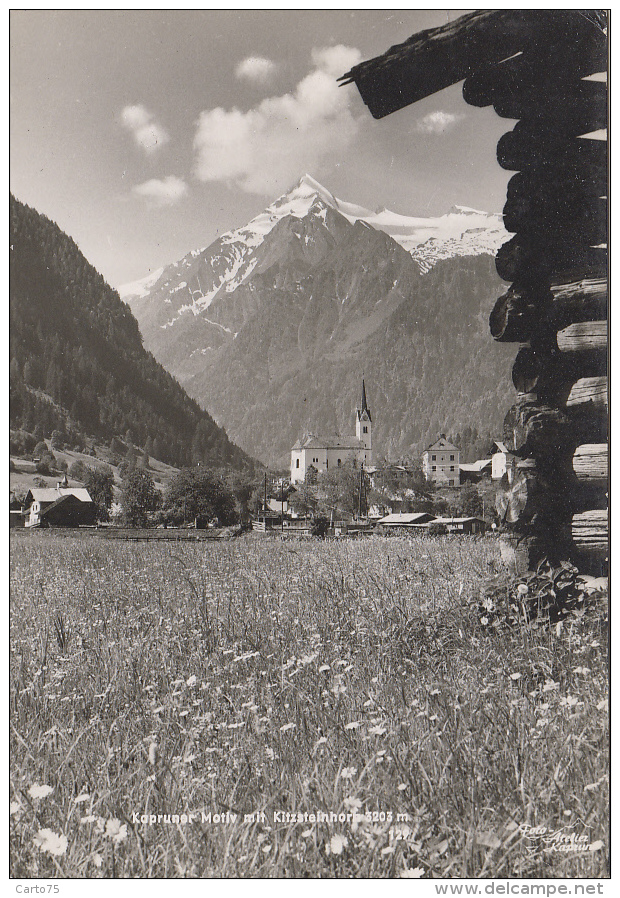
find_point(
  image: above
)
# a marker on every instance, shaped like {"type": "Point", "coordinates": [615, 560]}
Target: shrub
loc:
{"type": "Point", "coordinates": [46, 463]}
{"type": "Point", "coordinates": [437, 529]}
{"type": "Point", "coordinates": [320, 527]}
{"type": "Point", "coordinates": [78, 470]}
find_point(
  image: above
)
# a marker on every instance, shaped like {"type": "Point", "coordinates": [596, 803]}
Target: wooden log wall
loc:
{"type": "Point", "coordinates": [536, 66]}
{"type": "Point", "coordinates": [553, 503]}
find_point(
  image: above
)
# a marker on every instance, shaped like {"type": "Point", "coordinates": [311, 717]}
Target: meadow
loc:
{"type": "Point", "coordinates": [314, 709]}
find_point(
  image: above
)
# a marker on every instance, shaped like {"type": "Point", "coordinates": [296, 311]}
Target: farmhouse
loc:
{"type": "Point", "coordinates": [322, 453]}
{"type": "Point", "coordinates": [60, 506]}
{"type": "Point", "coordinates": [440, 463]}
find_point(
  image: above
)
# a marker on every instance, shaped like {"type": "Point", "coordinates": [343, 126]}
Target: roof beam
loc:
{"type": "Point", "coordinates": [439, 57]}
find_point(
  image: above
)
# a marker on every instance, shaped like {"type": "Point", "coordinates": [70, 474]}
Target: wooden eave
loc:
{"type": "Point", "coordinates": [439, 57]}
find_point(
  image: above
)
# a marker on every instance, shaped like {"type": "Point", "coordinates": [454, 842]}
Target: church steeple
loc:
{"type": "Point", "coordinates": [363, 422]}
{"type": "Point", "coordinates": [364, 407]}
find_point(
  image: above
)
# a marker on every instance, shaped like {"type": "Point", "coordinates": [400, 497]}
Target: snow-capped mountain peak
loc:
{"type": "Point", "coordinates": [462, 231]}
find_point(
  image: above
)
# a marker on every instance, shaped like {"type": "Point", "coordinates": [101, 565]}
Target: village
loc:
{"type": "Point", "coordinates": [334, 488]}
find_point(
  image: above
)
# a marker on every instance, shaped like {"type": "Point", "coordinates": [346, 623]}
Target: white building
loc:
{"type": "Point", "coordinates": [501, 459]}
{"type": "Point", "coordinates": [440, 463]}
{"type": "Point", "coordinates": [323, 453]}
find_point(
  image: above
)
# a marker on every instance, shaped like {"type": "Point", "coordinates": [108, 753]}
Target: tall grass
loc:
{"type": "Point", "coordinates": [270, 677]}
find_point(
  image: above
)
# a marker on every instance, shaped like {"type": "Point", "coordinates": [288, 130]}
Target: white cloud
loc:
{"type": "Point", "coordinates": [161, 192]}
{"type": "Point", "coordinates": [267, 147]}
{"type": "Point", "coordinates": [147, 132]}
{"type": "Point", "coordinates": [256, 69]}
{"type": "Point", "coordinates": [437, 122]}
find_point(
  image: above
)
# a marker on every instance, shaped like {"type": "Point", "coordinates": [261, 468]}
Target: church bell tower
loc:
{"type": "Point", "coordinates": [363, 422]}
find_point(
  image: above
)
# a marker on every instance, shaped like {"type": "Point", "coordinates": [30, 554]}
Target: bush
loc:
{"type": "Point", "coordinates": [78, 470]}
{"type": "Point", "coordinates": [22, 443]}
{"type": "Point", "coordinates": [46, 464]}
{"type": "Point", "coordinates": [320, 527]}
{"type": "Point", "coordinates": [437, 529]}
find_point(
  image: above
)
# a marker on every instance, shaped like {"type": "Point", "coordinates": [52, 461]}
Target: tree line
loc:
{"type": "Point", "coordinates": [77, 363]}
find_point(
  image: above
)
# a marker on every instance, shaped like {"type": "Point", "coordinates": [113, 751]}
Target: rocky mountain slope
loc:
{"type": "Point", "coordinates": [272, 326]}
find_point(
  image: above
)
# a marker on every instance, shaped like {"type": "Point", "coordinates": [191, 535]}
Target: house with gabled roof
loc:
{"type": "Point", "coordinates": [59, 506]}
{"type": "Point", "coordinates": [440, 463]}
{"type": "Point", "coordinates": [323, 453]}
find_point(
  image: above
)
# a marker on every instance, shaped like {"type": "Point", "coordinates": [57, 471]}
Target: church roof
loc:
{"type": "Point", "coordinates": [312, 441]}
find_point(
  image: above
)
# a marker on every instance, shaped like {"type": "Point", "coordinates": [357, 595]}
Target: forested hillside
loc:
{"type": "Point", "coordinates": [77, 363]}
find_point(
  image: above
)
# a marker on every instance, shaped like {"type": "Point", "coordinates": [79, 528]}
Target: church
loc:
{"type": "Point", "coordinates": [323, 453]}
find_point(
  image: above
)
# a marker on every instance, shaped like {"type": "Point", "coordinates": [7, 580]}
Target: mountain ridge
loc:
{"type": "Point", "coordinates": [73, 340]}
{"type": "Point", "coordinates": [271, 326]}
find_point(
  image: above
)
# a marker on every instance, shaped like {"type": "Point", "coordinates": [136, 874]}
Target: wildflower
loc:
{"type": "Point", "coordinates": [596, 846]}
{"type": "Point", "coordinates": [377, 731]}
{"type": "Point", "coordinates": [306, 833]}
{"type": "Point", "coordinates": [321, 741]}
{"type": "Point", "coordinates": [115, 831]}
{"type": "Point", "coordinates": [192, 680]}
{"type": "Point", "coordinates": [36, 791]}
{"type": "Point", "coordinates": [353, 725]}
{"type": "Point", "coordinates": [522, 589]}
{"type": "Point", "coordinates": [602, 705]}
{"type": "Point", "coordinates": [337, 844]}
{"type": "Point", "coordinates": [97, 860]}
{"type": "Point", "coordinates": [287, 726]}
{"type": "Point", "coordinates": [15, 808]}
{"type": "Point", "coordinates": [414, 873]}
{"type": "Point", "coordinates": [270, 753]}
{"type": "Point", "coordinates": [515, 676]}
{"type": "Point", "coordinates": [582, 670]}
{"type": "Point", "coordinates": [484, 621]}
{"type": "Point", "coordinates": [48, 840]}
{"type": "Point", "coordinates": [347, 773]}
{"type": "Point", "coordinates": [153, 753]}
{"type": "Point", "coordinates": [389, 849]}
{"type": "Point", "coordinates": [402, 787]}
{"type": "Point", "coordinates": [82, 797]}
{"type": "Point", "coordinates": [550, 685]}
{"type": "Point", "coordinates": [352, 804]}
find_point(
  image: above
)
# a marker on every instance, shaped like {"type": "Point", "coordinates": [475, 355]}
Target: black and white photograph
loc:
{"type": "Point", "coordinates": [309, 453]}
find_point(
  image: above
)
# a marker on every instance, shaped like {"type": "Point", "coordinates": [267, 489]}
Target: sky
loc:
{"type": "Point", "coordinates": [145, 134]}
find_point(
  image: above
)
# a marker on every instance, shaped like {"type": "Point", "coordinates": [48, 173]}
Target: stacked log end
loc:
{"type": "Point", "coordinates": [553, 504]}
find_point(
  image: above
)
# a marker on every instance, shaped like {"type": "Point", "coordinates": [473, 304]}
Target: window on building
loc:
{"type": "Point", "coordinates": [452, 468]}
{"type": "Point", "coordinates": [339, 462]}
{"type": "Point", "coordinates": [365, 430]}
{"type": "Point", "coordinates": [297, 463]}
{"type": "Point", "coordinates": [451, 482]}
{"type": "Point", "coordinates": [433, 458]}
{"type": "Point", "coordinates": [451, 458]}
{"type": "Point", "coordinates": [434, 467]}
